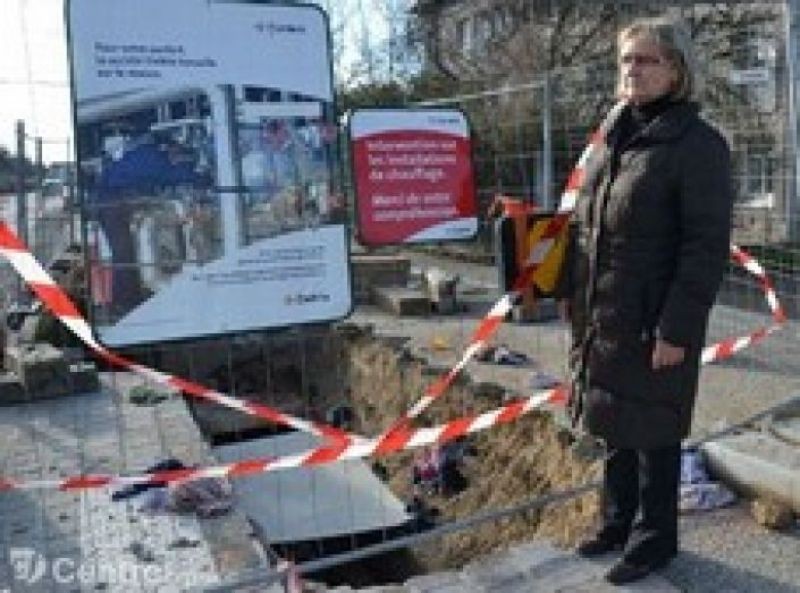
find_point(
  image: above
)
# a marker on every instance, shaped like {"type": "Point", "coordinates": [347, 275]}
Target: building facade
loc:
{"type": "Point", "coordinates": [745, 60]}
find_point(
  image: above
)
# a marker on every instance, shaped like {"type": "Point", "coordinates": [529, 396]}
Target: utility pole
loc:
{"type": "Point", "coordinates": [548, 201]}
{"type": "Point", "coordinates": [22, 214]}
{"type": "Point", "coordinates": [71, 206]}
{"type": "Point", "coordinates": [38, 202]}
{"type": "Point", "coordinates": [791, 206]}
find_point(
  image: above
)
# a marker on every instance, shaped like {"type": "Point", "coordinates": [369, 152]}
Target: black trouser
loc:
{"type": "Point", "coordinates": [645, 481]}
{"type": "Point", "coordinates": [126, 283]}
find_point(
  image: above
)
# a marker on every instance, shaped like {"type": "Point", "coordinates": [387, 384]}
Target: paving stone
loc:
{"type": "Point", "coordinates": [85, 436]}
{"type": "Point", "coordinates": [564, 570]}
{"type": "Point", "coordinates": [11, 390]}
{"type": "Point", "coordinates": [83, 377]}
{"type": "Point", "coordinates": [41, 369]}
{"type": "Point", "coordinates": [652, 584]}
{"type": "Point", "coordinates": [440, 582]}
{"type": "Point", "coordinates": [529, 555]}
{"type": "Point", "coordinates": [500, 569]}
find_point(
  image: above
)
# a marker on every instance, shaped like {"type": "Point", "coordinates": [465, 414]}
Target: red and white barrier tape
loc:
{"type": "Point", "coordinates": [730, 346]}
{"type": "Point", "coordinates": [60, 305]}
{"type": "Point", "coordinates": [399, 436]}
{"type": "Point", "coordinates": [538, 254]}
{"type": "Point", "coordinates": [401, 440]}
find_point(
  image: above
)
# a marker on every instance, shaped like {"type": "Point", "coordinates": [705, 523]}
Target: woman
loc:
{"type": "Point", "coordinates": [653, 230]}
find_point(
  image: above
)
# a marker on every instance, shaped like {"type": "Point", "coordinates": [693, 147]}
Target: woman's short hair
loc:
{"type": "Point", "coordinates": [673, 39]}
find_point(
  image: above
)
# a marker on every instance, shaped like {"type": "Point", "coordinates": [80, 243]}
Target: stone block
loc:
{"type": "Point", "coordinates": [772, 514]}
{"type": "Point", "coordinates": [441, 288]}
{"type": "Point", "coordinates": [372, 271]}
{"type": "Point", "coordinates": [402, 301]}
{"type": "Point", "coordinates": [41, 369]}
{"type": "Point", "coordinates": [541, 310]}
{"type": "Point", "coordinates": [27, 330]}
{"type": "Point", "coordinates": [83, 377]}
{"type": "Point", "coordinates": [758, 465]}
{"type": "Point", "coordinates": [11, 390]}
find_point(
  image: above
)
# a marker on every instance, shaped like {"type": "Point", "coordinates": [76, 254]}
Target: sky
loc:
{"type": "Point", "coordinates": [34, 83]}
{"type": "Point", "coordinates": [34, 79]}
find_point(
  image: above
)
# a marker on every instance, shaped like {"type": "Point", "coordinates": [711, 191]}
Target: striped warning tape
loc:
{"type": "Point", "coordinates": [60, 305]}
{"type": "Point", "coordinates": [730, 346]}
{"type": "Point", "coordinates": [539, 252]}
{"type": "Point", "coordinates": [410, 439]}
{"type": "Point", "coordinates": [399, 436]}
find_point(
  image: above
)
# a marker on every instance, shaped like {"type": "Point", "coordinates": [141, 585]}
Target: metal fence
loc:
{"type": "Point", "coordinates": [527, 137]}
{"type": "Point", "coordinates": [528, 134]}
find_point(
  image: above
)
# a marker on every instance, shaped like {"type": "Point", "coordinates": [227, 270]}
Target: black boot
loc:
{"type": "Point", "coordinates": [597, 546]}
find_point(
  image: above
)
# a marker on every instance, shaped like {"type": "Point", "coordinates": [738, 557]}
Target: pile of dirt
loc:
{"type": "Point", "coordinates": [511, 464]}
{"type": "Point", "coordinates": [380, 378]}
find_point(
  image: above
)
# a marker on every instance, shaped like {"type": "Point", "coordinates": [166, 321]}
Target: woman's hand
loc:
{"type": "Point", "coordinates": [666, 355]}
{"type": "Point", "coordinates": [564, 309]}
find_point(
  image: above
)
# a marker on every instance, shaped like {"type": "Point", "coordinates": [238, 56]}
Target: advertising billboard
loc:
{"type": "Point", "coordinates": [206, 140]}
{"type": "Point", "coordinates": [413, 176]}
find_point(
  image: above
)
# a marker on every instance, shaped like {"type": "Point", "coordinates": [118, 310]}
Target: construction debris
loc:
{"type": "Point", "coordinates": [772, 513]}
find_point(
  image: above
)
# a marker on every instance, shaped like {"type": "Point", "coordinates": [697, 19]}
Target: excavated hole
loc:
{"type": "Point", "coordinates": [380, 380]}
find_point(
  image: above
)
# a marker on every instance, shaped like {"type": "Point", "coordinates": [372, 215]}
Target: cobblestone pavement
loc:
{"type": "Point", "coordinates": [73, 541]}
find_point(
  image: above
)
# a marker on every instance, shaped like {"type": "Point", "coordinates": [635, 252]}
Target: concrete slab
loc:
{"type": "Point", "coordinates": [402, 301]}
{"type": "Point", "coordinates": [370, 271]}
{"type": "Point", "coordinates": [788, 430]}
{"type": "Point", "coordinates": [758, 464]}
{"type": "Point", "coordinates": [311, 503]}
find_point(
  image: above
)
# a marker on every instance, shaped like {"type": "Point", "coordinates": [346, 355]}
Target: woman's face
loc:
{"type": "Point", "coordinates": [645, 73]}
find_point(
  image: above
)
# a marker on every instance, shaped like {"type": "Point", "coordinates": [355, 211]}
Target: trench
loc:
{"type": "Point", "coordinates": [310, 372]}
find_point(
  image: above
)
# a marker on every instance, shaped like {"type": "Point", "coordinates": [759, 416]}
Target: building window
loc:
{"type": "Point", "coordinates": [483, 30]}
{"type": "Point", "coordinates": [464, 34]}
{"type": "Point", "coordinates": [502, 20]}
{"type": "Point", "coordinates": [759, 171]}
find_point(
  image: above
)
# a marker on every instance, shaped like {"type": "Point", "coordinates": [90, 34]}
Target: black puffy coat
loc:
{"type": "Point", "coordinates": [650, 245]}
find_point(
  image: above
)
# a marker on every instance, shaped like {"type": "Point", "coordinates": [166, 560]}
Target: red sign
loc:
{"type": "Point", "coordinates": [413, 176]}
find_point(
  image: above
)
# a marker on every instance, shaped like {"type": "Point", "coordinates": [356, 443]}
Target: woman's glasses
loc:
{"type": "Point", "coordinates": [641, 60]}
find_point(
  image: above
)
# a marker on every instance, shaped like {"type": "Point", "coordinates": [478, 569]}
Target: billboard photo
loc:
{"type": "Point", "coordinates": [413, 175]}
{"type": "Point", "coordinates": [205, 139]}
